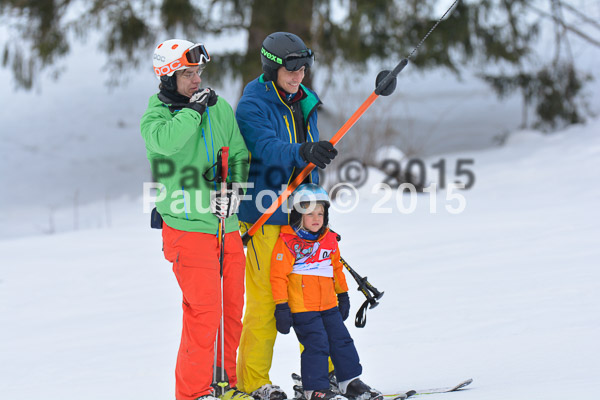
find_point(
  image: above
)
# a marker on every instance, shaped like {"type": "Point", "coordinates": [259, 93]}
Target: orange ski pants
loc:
{"type": "Point", "coordinates": [195, 258]}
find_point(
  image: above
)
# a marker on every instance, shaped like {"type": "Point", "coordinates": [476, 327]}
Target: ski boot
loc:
{"type": "Point", "coordinates": [207, 397]}
{"type": "Point", "coordinates": [235, 394]}
{"type": "Point", "coordinates": [325, 394]}
{"type": "Point", "coordinates": [299, 392]}
{"type": "Point", "coordinates": [269, 392]}
{"type": "Point", "coordinates": [358, 390]}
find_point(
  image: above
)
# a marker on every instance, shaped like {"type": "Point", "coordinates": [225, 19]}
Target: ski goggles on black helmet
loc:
{"type": "Point", "coordinates": [293, 61]}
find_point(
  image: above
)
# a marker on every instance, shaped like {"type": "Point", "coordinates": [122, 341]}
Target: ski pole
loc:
{"type": "Point", "coordinates": [222, 159]}
{"type": "Point", "coordinates": [385, 85]}
{"type": "Point", "coordinates": [363, 286]}
{"type": "Point", "coordinates": [370, 292]}
{"type": "Point", "coordinates": [222, 169]}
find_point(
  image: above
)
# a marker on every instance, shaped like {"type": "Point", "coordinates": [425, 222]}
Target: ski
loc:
{"type": "Point", "coordinates": [400, 396]}
{"type": "Point", "coordinates": [446, 389]}
{"type": "Point", "coordinates": [299, 395]}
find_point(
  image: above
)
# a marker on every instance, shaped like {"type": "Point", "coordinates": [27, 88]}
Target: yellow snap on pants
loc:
{"type": "Point", "coordinates": [255, 353]}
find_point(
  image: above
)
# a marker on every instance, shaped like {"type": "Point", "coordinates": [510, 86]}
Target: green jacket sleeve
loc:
{"type": "Point", "coordinates": [167, 135]}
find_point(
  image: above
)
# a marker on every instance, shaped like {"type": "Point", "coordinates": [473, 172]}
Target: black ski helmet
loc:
{"type": "Point", "coordinates": [284, 49]}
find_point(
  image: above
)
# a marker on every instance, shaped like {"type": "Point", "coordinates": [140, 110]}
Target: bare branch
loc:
{"type": "Point", "coordinates": [570, 28]}
{"type": "Point", "coordinates": [580, 14]}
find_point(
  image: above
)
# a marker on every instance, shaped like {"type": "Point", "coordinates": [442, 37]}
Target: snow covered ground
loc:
{"type": "Point", "coordinates": [506, 292]}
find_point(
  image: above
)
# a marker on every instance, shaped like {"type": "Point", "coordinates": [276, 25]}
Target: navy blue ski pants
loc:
{"type": "Point", "coordinates": [323, 334]}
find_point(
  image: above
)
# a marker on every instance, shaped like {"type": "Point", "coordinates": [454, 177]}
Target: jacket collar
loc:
{"type": "Point", "coordinates": [172, 98]}
{"type": "Point", "coordinates": [259, 86]}
{"type": "Point", "coordinates": [289, 230]}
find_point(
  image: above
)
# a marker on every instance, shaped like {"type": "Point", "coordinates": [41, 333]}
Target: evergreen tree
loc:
{"type": "Point", "coordinates": [498, 38]}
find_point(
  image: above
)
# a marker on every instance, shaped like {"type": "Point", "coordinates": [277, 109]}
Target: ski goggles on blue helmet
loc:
{"type": "Point", "coordinates": [293, 61]}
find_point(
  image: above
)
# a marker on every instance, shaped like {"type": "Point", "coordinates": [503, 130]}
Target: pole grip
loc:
{"type": "Point", "coordinates": [224, 163]}
{"type": "Point", "coordinates": [363, 284]}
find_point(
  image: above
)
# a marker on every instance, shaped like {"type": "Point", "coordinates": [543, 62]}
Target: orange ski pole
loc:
{"type": "Point", "coordinates": [379, 90]}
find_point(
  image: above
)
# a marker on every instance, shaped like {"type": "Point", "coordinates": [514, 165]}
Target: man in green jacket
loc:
{"type": "Point", "coordinates": [184, 129]}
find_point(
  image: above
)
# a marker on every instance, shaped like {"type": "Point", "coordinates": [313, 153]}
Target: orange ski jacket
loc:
{"type": "Point", "coordinates": [307, 274]}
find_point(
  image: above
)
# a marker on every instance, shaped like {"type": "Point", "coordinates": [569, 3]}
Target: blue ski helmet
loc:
{"type": "Point", "coordinates": [304, 198]}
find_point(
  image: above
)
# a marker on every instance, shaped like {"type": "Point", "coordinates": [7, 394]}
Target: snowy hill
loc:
{"type": "Point", "coordinates": [506, 292]}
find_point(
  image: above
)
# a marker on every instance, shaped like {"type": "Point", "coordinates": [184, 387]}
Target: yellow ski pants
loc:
{"type": "Point", "coordinates": [255, 353]}
{"type": "Point", "coordinates": [258, 333]}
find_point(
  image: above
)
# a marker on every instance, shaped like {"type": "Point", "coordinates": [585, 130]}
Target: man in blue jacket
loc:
{"type": "Point", "coordinates": [277, 116]}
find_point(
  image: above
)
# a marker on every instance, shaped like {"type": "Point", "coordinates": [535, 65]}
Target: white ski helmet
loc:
{"type": "Point", "coordinates": [175, 54]}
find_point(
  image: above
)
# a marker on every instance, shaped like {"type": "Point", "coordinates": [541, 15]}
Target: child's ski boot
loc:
{"type": "Point", "coordinates": [325, 394]}
{"type": "Point", "coordinates": [358, 390]}
{"type": "Point", "coordinates": [299, 391]}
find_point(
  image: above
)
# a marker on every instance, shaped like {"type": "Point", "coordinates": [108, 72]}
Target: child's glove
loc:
{"type": "Point", "coordinates": [283, 318]}
{"type": "Point", "coordinates": [344, 305]}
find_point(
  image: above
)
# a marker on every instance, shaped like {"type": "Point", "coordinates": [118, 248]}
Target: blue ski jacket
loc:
{"type": "Point", "coordinates": [268, 127]}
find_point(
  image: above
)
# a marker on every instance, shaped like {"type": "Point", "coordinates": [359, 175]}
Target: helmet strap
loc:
{"type": "Point", "coordinates": [169, 83]}
{"type": "Point", "coordinates": [270, 73]}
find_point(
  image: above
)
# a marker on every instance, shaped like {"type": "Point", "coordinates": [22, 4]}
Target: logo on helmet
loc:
{"type": "Point", "coordinates": [159, 57]}
{"type": "Point", "coordinates": [168, 69]}
{"type": "Point", "coordinates": [271, 56]}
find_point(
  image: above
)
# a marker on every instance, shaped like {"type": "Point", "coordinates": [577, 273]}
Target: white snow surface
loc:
{"type": "Point", "coordinates": [506, 292]}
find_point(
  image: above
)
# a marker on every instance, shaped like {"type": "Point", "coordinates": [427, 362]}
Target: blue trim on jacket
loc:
{"type": "Point", "coordinates": [268, 127]}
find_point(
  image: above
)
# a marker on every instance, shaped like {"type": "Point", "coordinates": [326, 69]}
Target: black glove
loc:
{"type": "Point", "coordinates": [318, 153]}
{"type": "Point", "coordinates": [225, 206]}
{"type": "Point", "coordinates": [344, 305]}
{"type": "Point", "coordinates": [283, 318]}
{"type": "Point", "coordinates": [201, 99]}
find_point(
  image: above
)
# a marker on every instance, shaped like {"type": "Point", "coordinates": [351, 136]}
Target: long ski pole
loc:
{"type": "Point", "coordinates": [384, 87]}
{"type": "Point", "coordinates": [334, 140]}
{"type": "Point", "coordinates": [222, 168]}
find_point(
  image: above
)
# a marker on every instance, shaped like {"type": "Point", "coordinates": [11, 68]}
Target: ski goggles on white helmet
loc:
{"type": "Point", "coordinates": [293, 61]}
{"type": "Point", "coordinates": [196, 54]}
{"type": "Point", "coordinates": [191, 57]}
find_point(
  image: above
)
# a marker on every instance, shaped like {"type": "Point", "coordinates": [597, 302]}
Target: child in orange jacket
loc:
{"type": "Point", "coordinates": [310, 293]}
